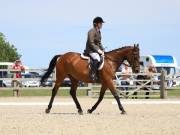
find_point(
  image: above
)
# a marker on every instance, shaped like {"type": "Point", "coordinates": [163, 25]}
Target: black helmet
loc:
{"type": "Point", "coordinates": [98, 20]}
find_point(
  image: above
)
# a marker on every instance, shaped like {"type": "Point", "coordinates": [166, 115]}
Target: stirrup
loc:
{"type": "Point", "coordinates": [93, 76]}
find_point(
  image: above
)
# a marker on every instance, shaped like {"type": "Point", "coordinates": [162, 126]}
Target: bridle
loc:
{"type": "Point", "coordinates": [133, 58]}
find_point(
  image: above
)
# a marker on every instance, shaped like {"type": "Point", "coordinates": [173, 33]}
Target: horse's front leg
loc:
{"type": "Point", "coordinates": [116, 96]}
{"type": "Point", "coordinates": [102, 92]}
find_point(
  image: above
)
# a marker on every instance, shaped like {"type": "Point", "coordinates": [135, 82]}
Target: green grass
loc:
{"type": "Point", "coordinates": [174, 93]}
{"type": "Point", "coordinates": [41, 92]}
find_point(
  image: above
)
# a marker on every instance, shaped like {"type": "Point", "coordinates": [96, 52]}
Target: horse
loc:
{"type": "Point", "coordinates": [77, 69]}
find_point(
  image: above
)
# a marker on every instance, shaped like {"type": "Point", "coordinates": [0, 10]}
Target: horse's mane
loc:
{"type": "Point", "coordinates": [118, 49]}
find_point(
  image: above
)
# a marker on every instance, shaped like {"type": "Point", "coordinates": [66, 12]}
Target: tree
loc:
{"type": "Point", "coordinates": [8, 52]}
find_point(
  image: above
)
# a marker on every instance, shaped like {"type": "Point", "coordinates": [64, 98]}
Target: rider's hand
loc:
{"type": "Point", "coordinates": [100, 52]}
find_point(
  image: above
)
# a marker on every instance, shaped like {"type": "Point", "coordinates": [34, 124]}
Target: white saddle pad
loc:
{"type": "Point", "coordinates": [88, 58]}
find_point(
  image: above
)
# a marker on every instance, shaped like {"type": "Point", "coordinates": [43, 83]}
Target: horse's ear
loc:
{"type": "Point", "coordinates": [134, 45]}
{"type": "Point", "coordinates": [138, 45]}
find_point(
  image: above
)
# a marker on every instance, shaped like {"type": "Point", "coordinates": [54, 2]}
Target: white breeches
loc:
{"type": "Point", "coordinates": [95, 56]}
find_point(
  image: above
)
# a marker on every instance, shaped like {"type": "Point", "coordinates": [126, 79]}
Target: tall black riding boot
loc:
{"type": "Point", "coordinates": [94, 70]}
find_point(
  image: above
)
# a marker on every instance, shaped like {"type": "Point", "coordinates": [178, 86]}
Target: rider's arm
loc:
{"type": "Point", "coordinates": [91, 36]}
{"type": "Point", "coordinates": [101, 46]}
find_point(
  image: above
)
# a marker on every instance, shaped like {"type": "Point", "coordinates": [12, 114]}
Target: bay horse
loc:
{"type": "Point", "coordinates": [77, 69]}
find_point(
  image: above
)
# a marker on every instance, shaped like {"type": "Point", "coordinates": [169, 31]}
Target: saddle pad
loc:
{"type": "Point", "coordinates": [88, 58]}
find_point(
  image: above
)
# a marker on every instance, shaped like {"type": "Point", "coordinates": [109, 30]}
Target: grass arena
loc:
{"type": "Point", "coordinates": [26, 115]}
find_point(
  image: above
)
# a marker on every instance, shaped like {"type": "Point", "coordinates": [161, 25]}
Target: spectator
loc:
{"type": "Point", "coordinates": [125, 78]}
{"type": "Point", "coordinates": [150, 70]}
{"type": "Point", "coordinates": [20, 68]}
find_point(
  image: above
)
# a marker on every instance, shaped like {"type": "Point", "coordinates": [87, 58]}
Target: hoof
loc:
{"type": "Point", "coordinates": [89, 111]}
{"type": "Point", "coordinates": [80, 112]}
{"type": "Point", "coordinates": [123, 112]}
{"type": "Point", "coordinates": [47, 110]}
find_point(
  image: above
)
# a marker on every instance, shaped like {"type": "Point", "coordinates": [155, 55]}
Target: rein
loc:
{"type": "Point", "coordinates": [113, 60]}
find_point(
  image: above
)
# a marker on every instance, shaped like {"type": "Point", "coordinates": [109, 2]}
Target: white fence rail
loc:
{"type": "Point", "coordinates": [142, 85]}
{"type": "Point", "coordinates": [138, 85]}
{"type": "Point", "coordinates": [15, 81]}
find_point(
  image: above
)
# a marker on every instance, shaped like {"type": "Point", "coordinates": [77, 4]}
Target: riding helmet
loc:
{"type": "Point", "coordinates": [98, 20]}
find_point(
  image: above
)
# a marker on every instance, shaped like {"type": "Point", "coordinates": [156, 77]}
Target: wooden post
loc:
{"type": "Point", "coordinates": [89, 91]}
{"type": "Point", "coordinates": [163, 91]}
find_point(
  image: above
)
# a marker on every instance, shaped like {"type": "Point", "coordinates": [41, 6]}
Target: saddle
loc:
{"type": "Point", "coordinates": [90, 61]}
{"type": "Point", "coordinates": [94, 66]}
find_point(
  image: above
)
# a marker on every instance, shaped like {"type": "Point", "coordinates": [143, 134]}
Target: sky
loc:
{"type": "Point", "coordinates": [40, 29]}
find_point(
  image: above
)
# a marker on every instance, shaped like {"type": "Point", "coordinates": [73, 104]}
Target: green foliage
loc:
{"type": "Point", "coordinates": [8, 53]}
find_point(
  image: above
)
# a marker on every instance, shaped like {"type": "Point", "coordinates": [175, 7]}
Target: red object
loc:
{"type": "Point", "coordinates": [20, 68]}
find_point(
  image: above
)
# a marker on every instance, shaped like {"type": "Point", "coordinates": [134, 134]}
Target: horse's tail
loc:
{"type": "Point", "coordinates": [50, 69]}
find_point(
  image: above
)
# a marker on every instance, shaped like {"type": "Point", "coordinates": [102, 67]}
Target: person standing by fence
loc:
{"type": "Point", "coordinates": [19, 67]}
{"type": "Point", "coordinates": [125, 78]}
{"type": "Point", "coordinates": [17, 74]}
{"type": "Point", "coordinates": [150, 74]}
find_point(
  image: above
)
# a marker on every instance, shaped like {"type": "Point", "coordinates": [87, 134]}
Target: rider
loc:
{"type": "Point", "coordinates": [94, 47]}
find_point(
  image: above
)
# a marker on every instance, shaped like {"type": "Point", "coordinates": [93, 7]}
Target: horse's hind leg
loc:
{"type": "Point", "coordinates": [74, 85]}
{"type": "Point", "coordinates": [102, 92]}
{"type": "Point", "coordinates": [54, 92]}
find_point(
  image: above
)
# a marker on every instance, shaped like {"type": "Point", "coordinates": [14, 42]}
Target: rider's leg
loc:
{"type": "Point", "coordinates": [95, 56]}
{"type": "Point", "coordinates": [95, 65]}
